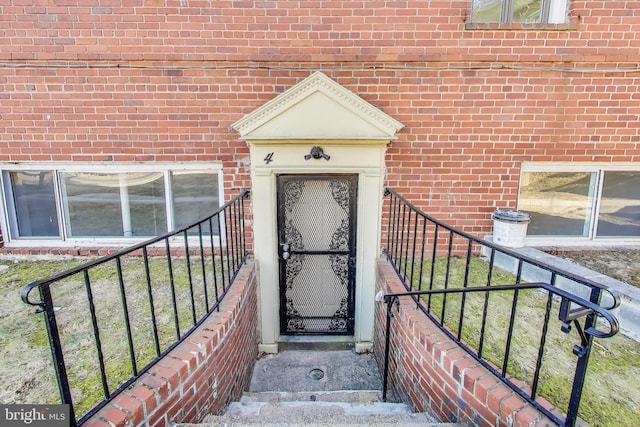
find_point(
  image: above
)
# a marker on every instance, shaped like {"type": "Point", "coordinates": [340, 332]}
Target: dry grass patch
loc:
{"type": "Point", "coordinates": [611, 396]}
{"type": "Point", "coordinates": [25, 358]}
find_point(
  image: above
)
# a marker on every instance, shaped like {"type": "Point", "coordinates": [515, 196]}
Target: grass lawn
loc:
{"type": "Point", "coordinates": [25, 358]}
{"type": "Point", "coordinates": [611, 396]}
{"type": "Point", "coordinates": [621, 264]}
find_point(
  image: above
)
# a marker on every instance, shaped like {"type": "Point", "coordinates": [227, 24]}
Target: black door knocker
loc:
{"type": "Point", "coordinates": [317, 153]}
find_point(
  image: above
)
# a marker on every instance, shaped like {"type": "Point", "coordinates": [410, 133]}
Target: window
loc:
{"type": "Point", "coordinates": [75, 203]}
{"type": "Point", "coordinates": [592, 204]}
{"type": "Point", "coordinates": [519, 11]}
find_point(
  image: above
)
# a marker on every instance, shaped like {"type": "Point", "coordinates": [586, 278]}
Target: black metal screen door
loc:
{"type": "Point", "coordinates": [316, 232]}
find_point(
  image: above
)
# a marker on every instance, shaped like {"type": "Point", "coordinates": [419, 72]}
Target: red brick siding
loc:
{"type": "Point", "coordinates": [200, 376]}
{"type": "Point", "coordinates": [428, 371]}
{"type": "Point", "coordinates": [299, 31]}
{"type": "Point", "coordinates": [147, 80]}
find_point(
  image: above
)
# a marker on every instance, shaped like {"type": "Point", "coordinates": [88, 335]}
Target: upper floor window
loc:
{"type": "Point", "coordinates": [519, 11]}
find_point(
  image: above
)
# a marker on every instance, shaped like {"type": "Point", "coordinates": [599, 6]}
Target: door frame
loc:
{"type": "Point", "coordinates": [319, 126]}
{"type": "Point", "coordinates": [352, 213]}
{"type": "Point", "coordinates": [362, 158]}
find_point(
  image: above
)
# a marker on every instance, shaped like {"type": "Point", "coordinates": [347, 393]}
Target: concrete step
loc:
{"type": "Point", "coordinates": [361, 396]}
{"type": "Point", "coordinates": [335, 408]}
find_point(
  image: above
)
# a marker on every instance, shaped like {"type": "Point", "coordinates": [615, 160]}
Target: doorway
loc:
{"type": "Point", "coordinates": [317, 252]}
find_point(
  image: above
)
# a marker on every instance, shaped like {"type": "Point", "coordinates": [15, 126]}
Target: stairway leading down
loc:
{"type": "Point", "coordinates": [316, 388]}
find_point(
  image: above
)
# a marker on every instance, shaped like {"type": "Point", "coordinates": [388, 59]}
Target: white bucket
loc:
{"type": "Point", "coordinates": [510, 228]}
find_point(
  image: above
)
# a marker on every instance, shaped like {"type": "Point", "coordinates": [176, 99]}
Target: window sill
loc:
{"type": "Point", "coordinates": [569, 26]}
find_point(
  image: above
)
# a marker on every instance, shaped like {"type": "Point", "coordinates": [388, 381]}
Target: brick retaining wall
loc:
{"type": "Point", "coordinates": [200, 376]}
{"type": "Point", "coordinates": [430, 372]}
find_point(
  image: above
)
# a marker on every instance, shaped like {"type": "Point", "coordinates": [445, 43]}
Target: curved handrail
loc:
{"type": "Point", "coordinates": [24, 294]}
{"type": "Point", "coordinates": [233, 246]}
{"type": "Point", "coordinates": [615, 297]}
{"type": "Point", "coordinates": [406, 244]}
{"type": "Point", "coordinates": [614, 325]}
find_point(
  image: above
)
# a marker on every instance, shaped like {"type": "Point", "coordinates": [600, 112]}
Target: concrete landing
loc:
{"type": "Point", "coordinates": [316, 388]}
{"type": "Point", "coordinates": [305, 370]}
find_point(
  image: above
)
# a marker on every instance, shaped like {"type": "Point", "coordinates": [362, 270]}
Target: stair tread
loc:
{"type": "Point", "coordinates": [317, 409]}
{"type": "Point", "coordinates": [326, 396]}
{"type": "Point", "coordinates": [318, 414]}
{"type": "Point", "coordinates": [271, 409]}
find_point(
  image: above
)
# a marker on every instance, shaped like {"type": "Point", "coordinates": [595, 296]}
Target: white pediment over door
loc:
{"type": "Point", "coordinates": [317, 108]}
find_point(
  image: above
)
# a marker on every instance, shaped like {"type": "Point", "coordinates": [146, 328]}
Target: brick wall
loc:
{"type": "Point", "coordinates": [149, 80]}
{"type": "Point", "coordinates": [201, 375]}
{"type": "Point", "coordinates": [428, 371]}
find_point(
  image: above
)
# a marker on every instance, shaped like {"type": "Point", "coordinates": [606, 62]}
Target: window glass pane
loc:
{"type": "Point", "coordinates": [195, 195]}
{"type": "Point", "coordinates": [527, 11]}
{"type": "Point", "coordinates": [92, 204]}
{"type": "Point", "coordinates": [147, 203]}
{"type": "Point", "coordinates": [114, 205]}
{"type": "Point", "coordinates": [486, 11]}
{"type": "Point", "coordinates": [35, 204]}
{"type": "Point", "coordinates": [559, 203]}
{"type": "Point", "coordinates": [620, 205]}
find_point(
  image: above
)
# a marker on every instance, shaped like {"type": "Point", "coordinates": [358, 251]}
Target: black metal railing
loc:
{"type": "Point", "coordinates": [482, 297]}
{"type": "Point", "coordinates": [110, 320]}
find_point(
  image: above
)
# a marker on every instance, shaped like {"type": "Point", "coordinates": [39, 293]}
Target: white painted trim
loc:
{"type": "Point", "coordinates": [316, 112]}
{"type": "Point", "coordinates": [580, 242]}
{"type": "Point", "coordinates": [578, 166]}
{"type": "Point", "coordinates": [557, 12]}
{"type": "Point", "coordinates": [112, 167]}
{"type": "Point", "coordinates": [316, 83]}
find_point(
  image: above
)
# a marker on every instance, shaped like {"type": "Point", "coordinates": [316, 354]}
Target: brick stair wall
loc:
{"type": "Point", "coordinates": [430, 372]}
{"type": "Point", "coordinates": [202, 375]}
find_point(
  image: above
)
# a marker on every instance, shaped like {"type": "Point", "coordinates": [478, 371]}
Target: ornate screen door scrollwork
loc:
{"type": "Point", "coordinates": [316, 232]}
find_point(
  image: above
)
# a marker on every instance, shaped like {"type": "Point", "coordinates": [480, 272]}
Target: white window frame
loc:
{"type": "Point", "coordinates": [599, 168]}
{"type": "Point", "coordinates": [8, 229]}
{"type": "Point", "coordinates": [553, 12]}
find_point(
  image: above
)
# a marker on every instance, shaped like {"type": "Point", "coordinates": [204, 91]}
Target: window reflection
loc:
{"type": "Point", "coordinates": [559, 203]}
{"type": "Point", "coordinates": [128, 204]}
{"type": "Point", "coordinates": [485, 11]}
{"type": "Point", "coordinates": [620, 205]}
{"type": "Point", "coordinates": [527, 11]}
{"type": "Point", "coordinates": [519, 11]}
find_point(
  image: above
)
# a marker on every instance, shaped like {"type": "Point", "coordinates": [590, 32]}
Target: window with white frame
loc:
{"type": "Point", "coordinates": [519, 11]}
{"type": "Point", "coordinates": [593, 203]}
{"type": "Point", "coordinates": [77, 202]}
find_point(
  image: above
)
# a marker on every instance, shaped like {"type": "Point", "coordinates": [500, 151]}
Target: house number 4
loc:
{"type": "Point", "coordinates": [269, 158]}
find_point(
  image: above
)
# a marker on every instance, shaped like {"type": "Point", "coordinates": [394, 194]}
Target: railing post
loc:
{"type": "Point", "coordinates": [389, 300]}
{"type": "Point", "coordinates": [56, 350]}
{"type": "Point", "coordinates": [583, 352]}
